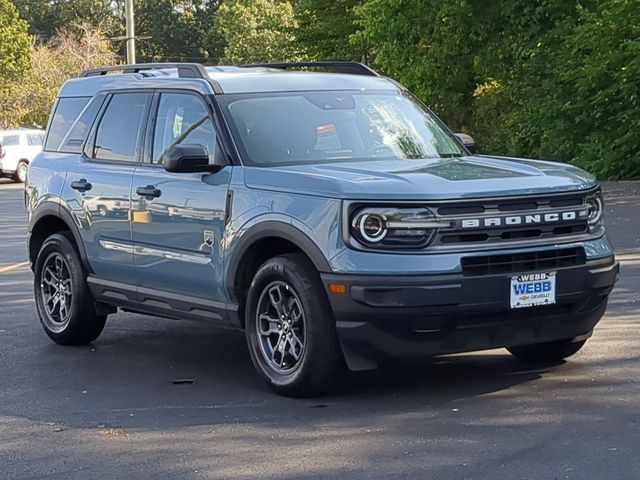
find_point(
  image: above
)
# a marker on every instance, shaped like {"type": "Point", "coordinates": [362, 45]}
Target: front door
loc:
{"type": "Point", "coordinates": [178, 219]}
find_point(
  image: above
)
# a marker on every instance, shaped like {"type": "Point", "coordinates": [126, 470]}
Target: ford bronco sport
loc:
{"type": "Point", "coordinates": [330, 215]}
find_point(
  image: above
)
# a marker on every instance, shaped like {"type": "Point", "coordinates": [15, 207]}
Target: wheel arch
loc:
{"type": "Point", "coordinates": [261, 242]}
{"type": "Point", "coordinates": [50, 218]}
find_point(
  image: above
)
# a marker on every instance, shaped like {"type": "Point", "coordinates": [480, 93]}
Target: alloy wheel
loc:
{"type": "Point", "coordinates": [280, 322]}
{"type": "Point", "coordinates": [56, 292]}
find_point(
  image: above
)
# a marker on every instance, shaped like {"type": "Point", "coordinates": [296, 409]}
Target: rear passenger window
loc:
{"type": "Point", "coordinates": [120, 127]}
{"type": "Point", "coordinates": [34, 139]}
{"type": "Point", "coordinates": [67, 111]}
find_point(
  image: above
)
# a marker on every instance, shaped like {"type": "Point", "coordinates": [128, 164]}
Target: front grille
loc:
{"type": "Point", "coordinates": [523, 262]}
{"type": "Point", "coordinates": [527, 228]}
{"type": "Point", "coordinates": [507, 205]}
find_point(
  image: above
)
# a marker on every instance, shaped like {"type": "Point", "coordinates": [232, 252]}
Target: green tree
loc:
{"type": "Point", "coordinates": [173, 34]}
{"type": "Point", "coordinates": [601, 83]}
{"type": "Point", "coordinates": [428, 45]}
{"type": "Point", "coordinates": [560, 84]}
{"type": "Point", "coordinates": [553, 79]}
{"type": "Point", "coordinates": [176, 29]}
{"type": "Point", "coordinates": [514, 106]}
{"type": "Point", "coordinates": [255, 30]}
{"type": "Point", "coordinates": [15, 42]}
{"type": "Point", "coordinates": [324, 27]}
{"type": "Point", "coordinates": [46, 17]}
{"type": "Point", "coordinates": [28, 99]}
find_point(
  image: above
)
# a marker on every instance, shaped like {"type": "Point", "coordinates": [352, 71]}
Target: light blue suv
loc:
{"type": "Point", "coordinates": [330, 215]}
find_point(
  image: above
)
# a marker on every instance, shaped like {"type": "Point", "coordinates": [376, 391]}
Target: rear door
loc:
{"type": "Point", "coordinates": [99, 182]}
{"type": "Point", "coordinates": [178, 228]}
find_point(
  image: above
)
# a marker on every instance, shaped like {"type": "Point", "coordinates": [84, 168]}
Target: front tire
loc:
{"type": "Point", "coordinates": [290, 328]}
{"type": "Point", "coordinates": [547, 352]}
{"type": "Point", "coordinates": [65, 305]}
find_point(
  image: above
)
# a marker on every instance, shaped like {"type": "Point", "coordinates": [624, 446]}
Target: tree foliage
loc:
{"type": "Point", "coordinates": [426, 45]}
{"type": "Point", "coordinates": [602, 81]}
{"type": "Point", "coordinates": [566, 85]}
{"type": "Point", "coordinates": [554, 79]}
{"type": "Point", "coordinates": [15, 42]}
{"type": "Point", "coordinates": [324, 28]}
{"type": "Point", "coordinates": [171, 30]}
{"type": "Point", "coordinates": [46, 17]}
{"type": "Point", "coordinates": [256, 30]}
{"type": "Point", "coordinates": [175, 29]}
{"type": "Point", "coordinates": [28, 99]}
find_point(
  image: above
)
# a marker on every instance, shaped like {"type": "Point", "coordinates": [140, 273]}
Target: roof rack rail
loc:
{"type": "Point", "coordinates": [356, 68]}
{"type": "Point", "coordinates": [185, 70]}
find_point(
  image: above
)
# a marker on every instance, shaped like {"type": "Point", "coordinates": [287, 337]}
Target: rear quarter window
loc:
{"type": "Point", "coordinates": [74, 139]}
{"type": "Point", "coordinates": [66, 112]}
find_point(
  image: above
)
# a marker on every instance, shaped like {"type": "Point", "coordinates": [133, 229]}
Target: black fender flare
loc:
{"type": "Point", "coordinates": [53, 209]}
{"type": "Point", "coordinates": [271, 229]}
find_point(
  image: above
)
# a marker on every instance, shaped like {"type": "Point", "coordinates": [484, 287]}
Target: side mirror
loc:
{"type": "Point", "coordinates": [467, 141]}
{"type": "Point", "coordinates": [189, 159]}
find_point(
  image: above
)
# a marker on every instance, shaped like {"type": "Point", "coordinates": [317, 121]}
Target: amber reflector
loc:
{"type": "Point", "coordinates": [338, 288]}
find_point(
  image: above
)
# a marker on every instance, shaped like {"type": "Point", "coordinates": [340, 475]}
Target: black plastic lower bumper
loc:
{"type": "Point", "coordinates": [406, 316]}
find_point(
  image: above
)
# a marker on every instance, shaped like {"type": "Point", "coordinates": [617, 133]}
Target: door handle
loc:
{"type": "Point", "coordinates": [81, 185]}
{"type": "Point", "coordinates": [149, 192]}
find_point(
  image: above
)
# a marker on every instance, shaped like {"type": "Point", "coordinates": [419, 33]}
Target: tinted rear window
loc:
{"type": "Point", "coordinates": [35, 139]}
{"type": "Point", "coordinates": [120, 128]}
{"type": "Point", "coordinates": [66, 113]}
{"type": "Point", "coordinates": [10, 140]}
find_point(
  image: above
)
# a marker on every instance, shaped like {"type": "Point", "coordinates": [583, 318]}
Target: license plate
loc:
{"type": "Point", "coordinates": [533, 289]}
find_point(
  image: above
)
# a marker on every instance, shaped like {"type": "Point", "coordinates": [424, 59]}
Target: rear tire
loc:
{"type": "Point", "coordinates": [65, 305]}
{"type": "Point", "coordinates": [547, 352]}
{"type": "Point", "coordinates": [21, 172]}
{"type": "Point", "coordinates": [290, 329]}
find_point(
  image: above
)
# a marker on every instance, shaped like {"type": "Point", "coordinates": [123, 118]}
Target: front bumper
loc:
{"type": "Point", "coordinates": [411, 316]}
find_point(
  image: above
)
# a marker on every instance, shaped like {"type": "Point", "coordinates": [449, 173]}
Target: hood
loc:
{"type": "Point", "coordinates": [442, 178]}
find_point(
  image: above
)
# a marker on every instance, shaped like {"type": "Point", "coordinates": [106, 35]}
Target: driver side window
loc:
{"type": "Point", "coordinates": [182, 118]}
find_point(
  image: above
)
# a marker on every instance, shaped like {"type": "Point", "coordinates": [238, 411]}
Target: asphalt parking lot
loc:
{"type": "Point", "coordinates": [111, 409]}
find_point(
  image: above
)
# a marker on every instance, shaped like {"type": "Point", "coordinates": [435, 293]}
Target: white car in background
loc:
{"type": "Point", "coordinates": [17, 148]}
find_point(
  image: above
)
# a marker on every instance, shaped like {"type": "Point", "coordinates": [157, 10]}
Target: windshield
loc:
{"type": "Point", "coordinates": [315, 127]}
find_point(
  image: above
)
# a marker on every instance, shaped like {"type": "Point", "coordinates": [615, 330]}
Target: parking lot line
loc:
{"type": "Point", "coordinates": [13, 266]}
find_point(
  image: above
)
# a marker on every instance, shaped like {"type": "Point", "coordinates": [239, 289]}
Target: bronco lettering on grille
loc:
{"type": "Point", "coordinates": [532, 219]}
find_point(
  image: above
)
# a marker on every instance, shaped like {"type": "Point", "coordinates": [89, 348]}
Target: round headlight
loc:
{"type": "Point", "coordinates": [394, 227]}
{"type": "Point", "coordinates": [372, 227]}
{"type": "Point", "coordinates": [594, 206]}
